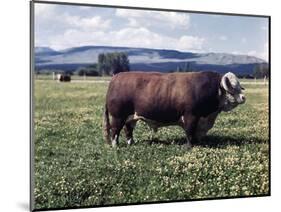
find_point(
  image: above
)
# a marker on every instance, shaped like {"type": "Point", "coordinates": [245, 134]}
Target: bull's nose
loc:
{"type": "Point", "coordinates": [243, 99]}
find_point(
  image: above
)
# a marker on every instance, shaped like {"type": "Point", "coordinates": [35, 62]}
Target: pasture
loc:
{"type": "Point", "coordinates": [74, 167]}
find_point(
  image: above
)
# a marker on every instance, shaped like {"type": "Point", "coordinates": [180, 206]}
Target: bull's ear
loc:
{"type": "Point", "coordinates": [242, 88]}
{"type": "Point", "coordinates": [226, 84]}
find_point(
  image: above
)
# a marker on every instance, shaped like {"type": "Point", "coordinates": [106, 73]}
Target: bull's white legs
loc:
{"type": "Point", "coordinates": [116, 126]}
{"type": "Point", "coordinates": [130, 141]}
{"type": "Point", "coordinates": [114, 141]}
{"type": "Point", "coordinates": [129, 127]}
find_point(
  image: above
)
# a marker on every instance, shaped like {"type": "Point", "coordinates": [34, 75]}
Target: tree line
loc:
{"type": "Point", "coordinates": [261, 71]}
{"type": "Point", "coordinates": [109, 64]}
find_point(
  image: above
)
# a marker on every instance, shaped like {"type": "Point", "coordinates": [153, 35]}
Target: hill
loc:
{"type": "Point", "coordinates": [146, 59]}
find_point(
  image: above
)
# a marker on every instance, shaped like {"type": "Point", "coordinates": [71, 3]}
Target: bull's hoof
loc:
{"type": "Point", "coordinates": [188, 146]}
{"type": "Point", "coordinates": [130, 141]}
{"type": "Point", "coordinates": [114, 144]}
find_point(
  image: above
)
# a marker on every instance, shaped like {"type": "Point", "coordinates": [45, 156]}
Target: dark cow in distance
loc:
{"type": "Point", "coordinates": [190, 100]}
{"type": "Point", "coordinates": [63, 78]}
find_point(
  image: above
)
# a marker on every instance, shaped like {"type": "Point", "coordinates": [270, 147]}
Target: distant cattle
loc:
{"type": "Point", "coordinates": [190, 100]}
{"type": "Point", "coordinates": [63, 78]}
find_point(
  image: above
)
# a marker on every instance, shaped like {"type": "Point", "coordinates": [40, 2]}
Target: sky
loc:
{"type": "Point", "coordinates": [65, 26]}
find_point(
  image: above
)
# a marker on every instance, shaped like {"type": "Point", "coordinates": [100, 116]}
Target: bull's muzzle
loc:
{"type": "Point", "coordinates": [241, 99]}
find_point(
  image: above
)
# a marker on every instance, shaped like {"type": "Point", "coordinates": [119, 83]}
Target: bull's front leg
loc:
{"type": "Point", "coordinates": [204, 125]}
{"type": "Point", "coordinates": [190, 124]}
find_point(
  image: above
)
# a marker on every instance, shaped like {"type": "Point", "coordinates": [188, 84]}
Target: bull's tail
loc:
{"type": "Point", "coordinates": [106, 125]}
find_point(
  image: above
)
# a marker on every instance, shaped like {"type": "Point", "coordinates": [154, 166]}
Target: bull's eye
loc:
{"type": "Point", "coordinates": [234, 91]}
{"type": "Point", "coordinates": [231, 93]}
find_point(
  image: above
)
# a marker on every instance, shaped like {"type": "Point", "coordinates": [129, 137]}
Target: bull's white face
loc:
{"type": "Point", "coordinates": [233, 89]}
{"type": "Point", "coordinates": [58, 76]}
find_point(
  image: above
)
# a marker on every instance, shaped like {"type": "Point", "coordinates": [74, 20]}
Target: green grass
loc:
{"type": "Point", "coordinates": [73, 166]}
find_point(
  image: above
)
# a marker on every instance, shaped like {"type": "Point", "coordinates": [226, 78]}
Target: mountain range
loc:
{"type": "Point", "coordinates": [145, 59]}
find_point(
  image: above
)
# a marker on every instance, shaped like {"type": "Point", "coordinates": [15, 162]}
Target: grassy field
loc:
{"type": "Point", "coordinates": [73, 166]}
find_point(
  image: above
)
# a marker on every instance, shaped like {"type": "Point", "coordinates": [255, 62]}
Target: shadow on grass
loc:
{"type": "Point", "coordinates": [211, 141]}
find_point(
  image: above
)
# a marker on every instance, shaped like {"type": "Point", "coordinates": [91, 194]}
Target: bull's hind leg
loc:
{"type": "Point", "coordinates": [129, 127]}
{"type": "Point", "coordinates": [116, 126]}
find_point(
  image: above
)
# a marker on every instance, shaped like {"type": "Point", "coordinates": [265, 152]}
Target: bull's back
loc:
{"type": "Point", "coordinates": [156, 96]}
{"type": "Point", "coordinates": [126, 89]}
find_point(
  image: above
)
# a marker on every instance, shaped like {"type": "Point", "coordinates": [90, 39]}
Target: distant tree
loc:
{"type": "Point", "coordinates": [90, 70]}
{"type": "Point", "coordinates": [70, 72]}
{"type": "Point", "coordinates": [179, 69]}
{"type": "Point", "coordinates": [187, 67]}
{"type": "Point", "coordinates": [113, 63]}
{"type": "Point", "coordinates": [103, 67]}
{"type": "Point", "coordinates": [124, 64]}
{"type": "Point", "coordinates": [248, 76]}
{"type": "Point", "coordinates": [93, 73]}
{"type": "Point", "coordinates": [81, 71]}
{"type": "Point", "coordinates": [261, 71]}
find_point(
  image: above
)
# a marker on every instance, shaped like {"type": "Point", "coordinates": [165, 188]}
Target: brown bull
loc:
{"type": "Point", "coordinates": [190, 100]}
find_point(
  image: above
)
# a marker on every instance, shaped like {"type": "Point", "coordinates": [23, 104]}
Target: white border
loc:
{"type": "Point", "coordinates": [14, 109]}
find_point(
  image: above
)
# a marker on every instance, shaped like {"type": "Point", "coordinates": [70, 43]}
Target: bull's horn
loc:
{"type": "Point", "coordinates": [225, 83]}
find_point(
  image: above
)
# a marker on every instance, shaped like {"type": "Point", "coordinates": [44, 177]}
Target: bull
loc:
{"type": "Point", "coordinates": [190, 100]}
{"type": "Point", "coordinates": [63, 78]}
